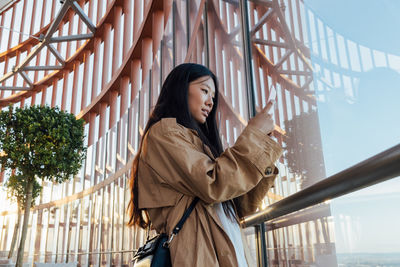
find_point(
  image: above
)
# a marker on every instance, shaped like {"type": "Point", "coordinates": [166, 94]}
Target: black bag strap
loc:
{"type": "Point", "coordinates": [189, 210]}
{"type": "Point", "coordinates": [179, 225]}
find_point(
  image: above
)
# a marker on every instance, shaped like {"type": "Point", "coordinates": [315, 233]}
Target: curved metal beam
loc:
{"type": "Point", "coordinates": [125, 68]}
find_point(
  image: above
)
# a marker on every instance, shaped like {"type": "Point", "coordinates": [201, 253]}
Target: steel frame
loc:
{"type": "Point", "coordinates": [46, 41]}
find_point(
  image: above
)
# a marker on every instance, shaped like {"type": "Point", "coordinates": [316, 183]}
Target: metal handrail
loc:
{"type": "Point", "coordinates": [379, 168]}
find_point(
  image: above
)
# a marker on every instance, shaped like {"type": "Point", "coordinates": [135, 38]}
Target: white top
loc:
{"type": "Point", "coordinates": [233, 231]}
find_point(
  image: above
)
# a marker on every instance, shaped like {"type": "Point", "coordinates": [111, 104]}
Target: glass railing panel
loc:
{"type": "Point", "coordinates": [336, 80]}
{"type": "Point", "coordinates": [366, 225]}
{"type": "Point", "coordinates": [358, 229]}
{"type": "Point", "coordinates": [249, 234]}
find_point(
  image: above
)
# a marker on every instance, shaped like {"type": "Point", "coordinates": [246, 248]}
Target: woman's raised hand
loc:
{"type": "Point", "coordinates": [263, 120]}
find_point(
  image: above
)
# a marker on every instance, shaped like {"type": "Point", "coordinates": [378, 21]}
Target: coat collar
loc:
{"type": "Point", "coordinates": [206, 148]}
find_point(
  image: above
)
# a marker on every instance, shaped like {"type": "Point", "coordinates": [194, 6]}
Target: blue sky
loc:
{"type": "Point", "coordinates": [370, 22]}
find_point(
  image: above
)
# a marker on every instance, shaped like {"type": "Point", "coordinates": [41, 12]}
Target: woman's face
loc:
{"type": "Point", "coordinates": [200, 98]}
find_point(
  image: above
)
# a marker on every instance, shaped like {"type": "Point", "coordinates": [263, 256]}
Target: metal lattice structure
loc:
{"type": "Point", "coordinates": [105, 62]}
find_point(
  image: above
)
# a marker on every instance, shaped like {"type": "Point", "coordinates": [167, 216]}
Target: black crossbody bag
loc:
{"type": "Point", "coordinates": [155, 252]}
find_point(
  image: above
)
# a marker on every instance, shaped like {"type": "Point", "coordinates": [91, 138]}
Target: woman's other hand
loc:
{"type": "Point", "coordinates": [263, 120]}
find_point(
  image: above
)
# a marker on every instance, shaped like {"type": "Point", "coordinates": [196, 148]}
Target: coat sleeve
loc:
{"type": "Point", "coordinates": [177, 162]}
{"type": "Point", "coordinates": [248, 203]}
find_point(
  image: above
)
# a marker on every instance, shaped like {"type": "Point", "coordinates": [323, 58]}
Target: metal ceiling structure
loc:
{"type": "Point", "coordinates": [4, 3]}
{"type": "Point", "coordinates": [48, 40]}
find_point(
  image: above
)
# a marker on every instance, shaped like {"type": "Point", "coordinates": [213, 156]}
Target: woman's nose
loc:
{"type": "Point", "coordinates": [210, 101]}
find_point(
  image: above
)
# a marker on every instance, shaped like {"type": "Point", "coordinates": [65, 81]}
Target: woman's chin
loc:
{"type": "Point", "coordinates": [201, 122]}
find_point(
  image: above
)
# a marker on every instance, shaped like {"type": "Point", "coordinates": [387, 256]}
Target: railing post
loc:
{"type": "Point", "coordinates": [261, 245]}
{"type": "Point", "coordinates": [247, 58]}
{"type": "Point", "coordinates": [260, 229]}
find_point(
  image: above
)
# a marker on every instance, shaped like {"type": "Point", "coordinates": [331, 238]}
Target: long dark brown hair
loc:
{"type": "Point", "coordinates": [173, 103]}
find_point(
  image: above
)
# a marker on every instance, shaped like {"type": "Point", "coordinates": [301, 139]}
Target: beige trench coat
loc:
{"type": "Point", "coordinates": [174, 167]}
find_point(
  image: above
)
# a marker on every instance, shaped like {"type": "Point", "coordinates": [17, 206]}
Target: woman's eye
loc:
{"type": "Point", "coordinates": [205, 91]}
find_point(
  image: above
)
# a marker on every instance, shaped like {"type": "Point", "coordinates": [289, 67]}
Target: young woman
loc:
{"type": "Point", "coordinates": [181, 157]}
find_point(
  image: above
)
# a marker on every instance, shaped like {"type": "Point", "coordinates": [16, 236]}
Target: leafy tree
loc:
{"type": "Point", "coordinates": [38, 143]}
